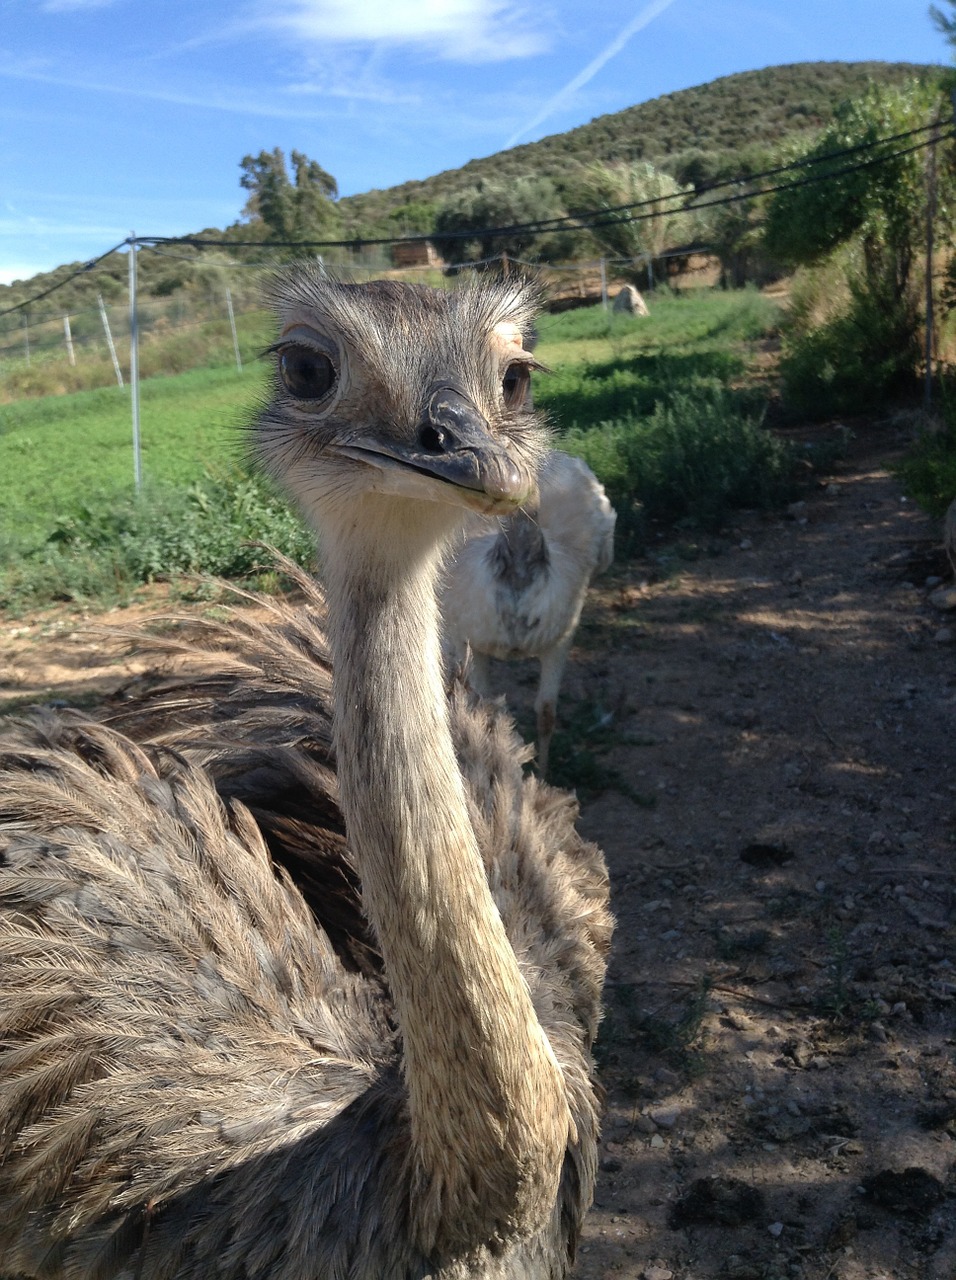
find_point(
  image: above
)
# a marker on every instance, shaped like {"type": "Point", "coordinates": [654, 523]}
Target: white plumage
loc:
{"type": "Point", "coordinates": [517, 586]}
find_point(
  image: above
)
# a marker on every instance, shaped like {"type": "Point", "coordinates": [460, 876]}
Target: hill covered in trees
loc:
{"type": "Point", "coordinates": [733, 125]}
{"type": "Point", "coordinates": [711, 131]}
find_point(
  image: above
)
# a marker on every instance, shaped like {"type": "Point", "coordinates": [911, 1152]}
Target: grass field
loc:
{"type": "Point", "coordinates": [60, 452]}
{"type": "Point", "coordinates": [67, 503]}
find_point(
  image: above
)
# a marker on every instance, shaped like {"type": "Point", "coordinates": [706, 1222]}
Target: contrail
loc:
{"type": "Point", "coordinates": [647, 14]}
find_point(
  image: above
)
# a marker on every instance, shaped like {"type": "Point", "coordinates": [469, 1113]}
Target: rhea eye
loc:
{"type": "Point", "coordinates": [515, 384]}
{"type": "Point", "coordinates": [306, 374]}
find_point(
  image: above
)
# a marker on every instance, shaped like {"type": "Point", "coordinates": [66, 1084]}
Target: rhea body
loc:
{"type": "Point", "coordinates": [196, 1079]}
{"type": "Point", "coordinates": [516, 587]}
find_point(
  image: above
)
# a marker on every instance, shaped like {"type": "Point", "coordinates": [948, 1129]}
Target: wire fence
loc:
{"type": "Point", "coordinates": [224, 320]}
{"type": "Point", "coordinates": [213, 313]}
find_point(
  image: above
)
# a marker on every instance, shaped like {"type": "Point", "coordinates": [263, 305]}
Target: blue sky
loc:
{"type": "Point", "coordinates": [120, 115]}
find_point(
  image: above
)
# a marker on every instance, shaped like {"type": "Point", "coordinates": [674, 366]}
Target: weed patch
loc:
{"type": "Point", "coordinates": [211, 527]}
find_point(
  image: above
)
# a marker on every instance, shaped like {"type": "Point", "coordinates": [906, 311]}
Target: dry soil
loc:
{"type": "Point", "coordinates": [762, 732]}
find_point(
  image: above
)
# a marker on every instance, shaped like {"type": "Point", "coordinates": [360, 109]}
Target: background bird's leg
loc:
{"type": "Point", "coordinates": [546, 703]}
{"type": "Point", "coordinates": [480, 675]}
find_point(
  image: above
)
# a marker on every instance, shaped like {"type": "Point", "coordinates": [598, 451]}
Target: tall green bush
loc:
{"type": "Point", "coordinates": [864, 224]}
{"type": "Point", "coordinates": [691, 462]}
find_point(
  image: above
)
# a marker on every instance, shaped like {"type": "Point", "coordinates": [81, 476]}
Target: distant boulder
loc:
{"type": "Point", "coordinates": [630, 300]}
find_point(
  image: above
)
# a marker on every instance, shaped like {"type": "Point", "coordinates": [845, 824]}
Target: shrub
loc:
{"type": "Point", "coordinates": [928, 472]}
{"type": "Point", "coordinates": [692, 461]}
{"type": "Point", "coordinates": [210, 528]}
{"type": "Point", "coordinates": [856, 359]}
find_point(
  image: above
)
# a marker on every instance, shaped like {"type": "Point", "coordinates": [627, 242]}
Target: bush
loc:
{"type": "Point", "coordinates": [691, 462]}
{"type": "Point", "coordinates": [210, 528]}
{"type": "Point", "coordinates": [856, 360]}
{"type": "Point", "coordinates": [928, 472]}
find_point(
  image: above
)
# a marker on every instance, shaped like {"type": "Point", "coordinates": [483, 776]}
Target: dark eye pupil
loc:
{"type": "Point", "coordinates": [306, 374]}
{"type": "Point", "coordinates": [514, 385]}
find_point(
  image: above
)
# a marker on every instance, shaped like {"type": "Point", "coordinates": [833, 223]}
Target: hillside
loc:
{"type": "Point", "coordinates": [714, 128]}
{"type": "Point", "coordinates": [730, 125]}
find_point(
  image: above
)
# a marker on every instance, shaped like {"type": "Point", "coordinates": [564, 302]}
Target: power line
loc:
{"type": "Point", "coordinates": [783, 186]}
{"type": "Point", "coordinates": [790, 166]}
{"type": "Point", "coordinates": [87, 266]}
{"type": "Point", "coordinates": [584, 221]}
{"type": "Point", "coordinates": [589, 220]}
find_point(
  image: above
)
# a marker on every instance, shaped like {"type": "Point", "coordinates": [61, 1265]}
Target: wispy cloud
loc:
{"type": "Point", "coordinates": [72, 6]}
{"type": "Point", "coordinates": [457, 30]}
{"type": "Point", "coordinates": [241, 104]}
{"type": "Point", "coordinates": [646, 15]}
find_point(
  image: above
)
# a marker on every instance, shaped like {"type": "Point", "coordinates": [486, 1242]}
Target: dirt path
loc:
{"type": "Point", "coordinates": [779, 817]}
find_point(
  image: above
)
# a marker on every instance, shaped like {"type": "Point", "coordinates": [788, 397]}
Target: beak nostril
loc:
{"type": "Point", "coordinates": [434, 439]}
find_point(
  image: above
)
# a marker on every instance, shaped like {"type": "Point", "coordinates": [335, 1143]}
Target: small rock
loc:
{"type": "Point", "coordinates": [945, 635]}
{"type": "Point", "coordinates": [776, 1229]}
{"type": "Point", "coordinates": [657, 1141]}
{"type": "Point", "coordinates": [670, 1079]}
{"type": "Point", "coordinates": [644, 1124]}
{"type": "Point", "coordinates": [657, 1273]}
{"type": "Point", "coordinates": [944, 598]}
{"type": "Point", "coordinates": [798, 1051]}
{"type": "Point", "coordinates": [665, 1117]}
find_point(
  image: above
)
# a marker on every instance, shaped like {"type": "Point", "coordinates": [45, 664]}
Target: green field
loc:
{"type": "Point", "coordinates": [61, 452]}
{"type": "Point", "coordinates": [70, 525]}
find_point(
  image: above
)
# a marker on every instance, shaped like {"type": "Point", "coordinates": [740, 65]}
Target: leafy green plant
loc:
{"type": "Point", "coordinates": [928, 470]}
{"type": "Point", "coordinates": [691, 462]}
{"type": "Point", "coordinates": [866, 224]}
{"type": "Point", "coordinates": [212, 527]}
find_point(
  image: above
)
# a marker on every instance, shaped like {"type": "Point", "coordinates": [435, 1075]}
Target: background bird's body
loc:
{"type": "Point", "coordinates": [234, 1041]}
{"type": "Point", "coordinates": [516, 590]}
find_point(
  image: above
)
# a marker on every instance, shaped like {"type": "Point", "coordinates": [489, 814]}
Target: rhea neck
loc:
{"type": "Point", "coordinates": [488, 1110]}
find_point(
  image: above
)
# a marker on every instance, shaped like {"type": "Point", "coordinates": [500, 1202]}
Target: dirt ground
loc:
{"type": "Point", "coordinates": [772, 724]}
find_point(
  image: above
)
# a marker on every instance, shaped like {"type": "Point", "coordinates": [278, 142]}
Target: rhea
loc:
{"type": "Point", "coordinates": [516, 589]}
{"type": "Point", "coordinates": [236, 1041]}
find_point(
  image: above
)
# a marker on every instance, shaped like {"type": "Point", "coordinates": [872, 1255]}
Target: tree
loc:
{"type": "Point", "coordinates": [464, 223]}
{"type": "Point", "coordinates": [607, 187]}
{"type": "Point", "coordinates": [864, 224]}
{"type": "Point", "coordinates": [302, 209]}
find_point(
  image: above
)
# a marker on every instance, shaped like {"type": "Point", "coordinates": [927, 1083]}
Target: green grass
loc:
{"type": "Point", "coordinates": [608, 366]}
{"type": "Point", "coordinates": [60, 452]}
{"type": "Point", "coordinates": [71, 524]}
{"type": "Point", "coordinates": [659, 408]}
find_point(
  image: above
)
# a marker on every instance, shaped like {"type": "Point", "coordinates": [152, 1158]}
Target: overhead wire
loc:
{"type": "Point", "coordinates": [86, 267]}
{"type": "Point", "coordinates": [588, 220]}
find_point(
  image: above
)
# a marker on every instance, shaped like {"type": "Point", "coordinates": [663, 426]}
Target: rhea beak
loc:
{"type": "Point", "coordinates": [453, 458]}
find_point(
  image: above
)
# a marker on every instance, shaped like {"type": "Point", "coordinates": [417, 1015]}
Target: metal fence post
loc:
{"type": "Point", "coordinates": [134, 361]}
{"type": "Point", "coordinates": [68, 338]}
{"type": "Point", "coordinates": [232, 323]}
{"type": "Point", "coordinates": [109, 339]}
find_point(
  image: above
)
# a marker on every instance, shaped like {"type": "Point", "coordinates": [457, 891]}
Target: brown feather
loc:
{"type": "Point", "coordinates": [200, 1068]}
